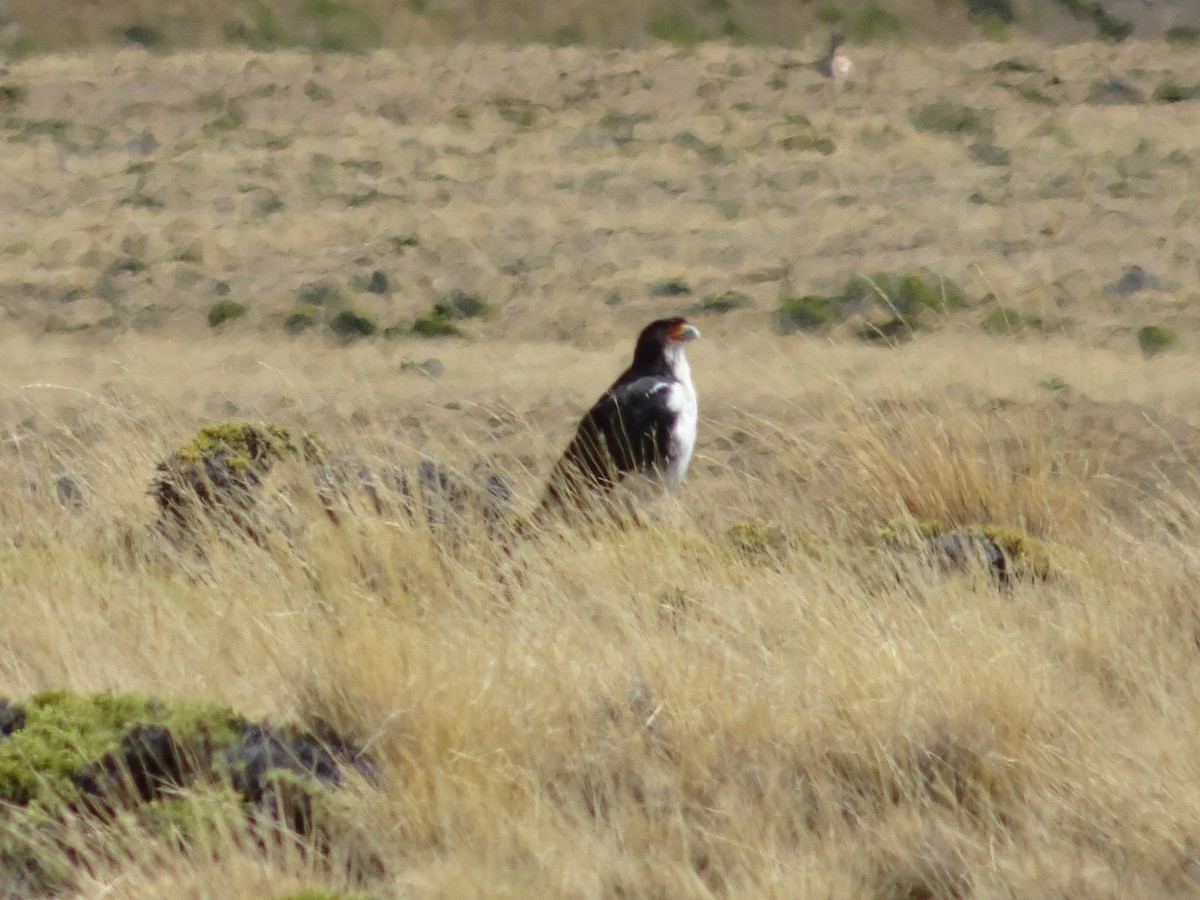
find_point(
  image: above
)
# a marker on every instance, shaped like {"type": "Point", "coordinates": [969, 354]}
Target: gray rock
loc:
{"type": "Point", "coordinates": [1133, 280]}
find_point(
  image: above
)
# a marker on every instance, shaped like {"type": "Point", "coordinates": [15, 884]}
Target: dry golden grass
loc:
{"type": "Point", "coordinates": [648, 711]}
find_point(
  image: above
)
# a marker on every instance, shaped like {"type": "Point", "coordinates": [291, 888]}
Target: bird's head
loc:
{"type": "Point", "coordinates": [663, 338]}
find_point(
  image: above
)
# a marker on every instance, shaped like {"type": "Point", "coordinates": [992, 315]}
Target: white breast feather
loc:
{"type": "Point", "coordinates": [681, 400]}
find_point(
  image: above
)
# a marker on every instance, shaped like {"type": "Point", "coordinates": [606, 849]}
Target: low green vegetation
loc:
{"type": "Point", "coordinates": [804, 136]}
{"type": "Point", "coordinates": [948, 117]}
{"type": "Point", "coordinates": [1154, 339]}
{"type": "Point", "coordinates": [719, 304]}
{"type": "Point", "coordinates": [809, 313]}
{"type": "Point", "coordinates": [443, 319]}
{"type": "Point", "coordinates": [225, 311]}
{"type": "Point", "coordinates": [349, 325]}
{"type": "Point", "coordinates": [1173, 92]}
{"type": "Point", "coordinates": [675, 26]}
{"type": "Point", "coordinates": [340, 26]}
{"type": "Point", "coordinates": [1107, 25]}
{"type": "Point", "coordinates": [1006, 320]}
{"type": "Point", "coordinates": [11, 94]}
{"type": "Point", "coordinates": [886, 306]}
{"type": "Point", "coordinates": [302, 319]}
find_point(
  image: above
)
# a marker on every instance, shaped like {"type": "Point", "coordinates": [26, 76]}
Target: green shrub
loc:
{"type": "Point", "coordinates": [1003, 320]}
{"type": "Point", "coordinates": [675, 26]}
{"type": "Point", "coordinates": [302, 319]}
{"type": "Point", "coordinates": [672, 287]}
{"type": "Point", "coordinates": [319, 293]}
{"type": "Point", "coordinates": [341, 26]}
{"type": "Point", "coordinates": [435, 324]}
{"type": "Point", "coordinates": [1172, 92]}
{"type": "Point", "coordinates": [948, 117]}
{"type": "Point", "coordinates": [1108, 25]}
{"type": "Point", "coordinates": [908, 294]}
{"type": "Point", "coordinates": [809, 313]}
{"type": "Point", "coordinates": [1155, 339]}
{"type": "Point", "coordinates": [225, 311]}
{"type": "Point", "coordinates": [722, 303]}
{"type": "Point", "coordinates": [462, 305]}
{"type": "Point", "coordinates": [1183, 34]}
{"type": "Point", "coordinates": [872, 23]}
{"type": "Point", "coordinates": [349, 324]}
{"type": "Point", "coordinates": [12, 93]}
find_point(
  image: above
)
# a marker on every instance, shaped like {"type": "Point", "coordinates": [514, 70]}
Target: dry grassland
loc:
{"type": "Point", "coordinates": [655, 711]}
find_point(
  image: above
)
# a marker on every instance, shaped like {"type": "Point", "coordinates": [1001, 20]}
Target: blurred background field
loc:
{"type": "Point", "coordinates": [955, 291]}
{"type": "Point", "coordinates": [365, 24]}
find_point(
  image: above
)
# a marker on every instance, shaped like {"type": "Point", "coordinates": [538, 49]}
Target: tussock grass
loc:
{"type": "Point", "coordinates": [642, 707]}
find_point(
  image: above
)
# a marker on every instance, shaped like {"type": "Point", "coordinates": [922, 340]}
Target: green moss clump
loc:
{"type": "Point", "coordinates": [947, 117]}
{"type": "Point", "coordinates": [758, 537]}
{"type": "Point", "coordinates": [808, 313]}
{"type": "Point", "coordinates": [233, 118]}
{"type": "Point", "coordinates": [319, 293]}
{"type": "Point", "coordinates": [1005, 320]}
{"type": "Point", "coordinates": [872, 23]}
{"type": "Point", "coordinates": [675, 26]}
{"type": "Point", "coordinates": [805, 136]}
{"type": "Point", "coordinates": [1172, 92]}
{"type": "Point", "coordinates": [435, 324]}
{"type": "Point", "coordinates": [13, 93]}
{"type": "Point", "coordinates": [304, 318]}
{"type": "Point", "coordinates": [672, 287]}
{"type": "Point", "coordinates": [908, 294]}
{"type": "Point", "coordinates": [43, 761]}
{"type": "Point", "coordinates": [722, 303]}
{"type": "Point", "coordinates": [440, 322]}
{"type": "Point", "coordinates": [462, 305]}
{"type": "Point", "coordinates": [1109, 26]}
{"type": "Point", "coordinates": [1155, 339]}
{"type": "Point", "coordinates": [217, 471]}
{"type": "Point", "coordinates": [245, 445]}
{"type": "Point", "coordinates": [340, 26]}
{"type": "Point", "coordinates": [260, 28]}
{"type": "Point", "coordinates": [1183, 34]}
{"type": "Point", "coordinates": [888, 331]}
{"type": "Point", "coordinates": [992, 11]}
{"type": "Point", "coordinates": [349, 324]}
{"type": "Point", "coordinates": [225, 311]}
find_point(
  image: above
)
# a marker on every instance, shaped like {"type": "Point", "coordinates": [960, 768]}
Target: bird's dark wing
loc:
{"type": "Point", "coordinates": [628, 430]}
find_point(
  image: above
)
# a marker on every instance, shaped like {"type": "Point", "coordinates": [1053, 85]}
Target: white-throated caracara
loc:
{"type": "Point", "coordinates": [645, 423]}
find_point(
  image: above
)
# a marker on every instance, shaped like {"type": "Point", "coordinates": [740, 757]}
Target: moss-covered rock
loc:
{"type": "Point", "coordinates": [217, 472]}
{"type": "Point", "coordinates": [447, 501]}
{"type": "Point", "coordinates": [64, 756]}
{"type": "Point", "coordinates": [1006, 551]}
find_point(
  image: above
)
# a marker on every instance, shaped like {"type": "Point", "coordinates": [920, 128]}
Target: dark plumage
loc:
{"type": "Point", "coordinates": [644, 423]}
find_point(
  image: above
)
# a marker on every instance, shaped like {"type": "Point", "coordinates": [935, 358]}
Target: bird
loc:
{"type": "Point", "coordinates": [835, 64]}
{"type": "Point", "coordinates": [645, 423]}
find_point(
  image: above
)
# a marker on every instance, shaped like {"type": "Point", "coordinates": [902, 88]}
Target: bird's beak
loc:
{"type": "Point", "coordinates": [685, 333]}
